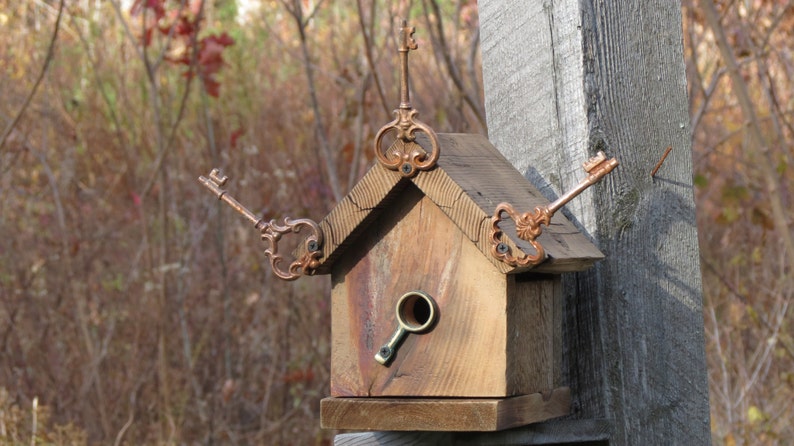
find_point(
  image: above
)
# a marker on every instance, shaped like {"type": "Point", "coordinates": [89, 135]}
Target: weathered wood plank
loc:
{"type": "Point", "coordinates": [562, 80]}
{"type": "Point", "coordinates": [554, 432]}
{"type": "Point", "coordinates": [394, 439]}
{"type": "Point", "coordinates": [437, 414]}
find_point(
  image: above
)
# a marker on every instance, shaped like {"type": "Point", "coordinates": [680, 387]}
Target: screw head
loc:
{"type": "Point", "coordinates": [313, 246]}
{"type": "Point", "coordinates": [406, 168]}
{"type": "Point", "coordinates": [385, 351]}
{"type": "Point", "coordinates": [502, 248]}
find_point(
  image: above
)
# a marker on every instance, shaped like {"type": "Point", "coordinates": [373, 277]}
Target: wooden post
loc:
{"type": "Point", "coordinates": [562, 80]}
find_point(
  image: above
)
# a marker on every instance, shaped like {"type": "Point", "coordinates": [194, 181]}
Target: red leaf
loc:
{"type": "Point", "coordinates": [212, 86]}
{"type": "Point", "coordinates": [146, 39]}
{"type": "Point", "coordinates": [210, 60]}
{"type": "Point", "coordinates": [235, 136]}
{"type": "Point", "coordinates": [210, 57]}
{"type": "Point", "coordinates": [185, 27]}
{"type": "Point", "coordinates": [225, 39]}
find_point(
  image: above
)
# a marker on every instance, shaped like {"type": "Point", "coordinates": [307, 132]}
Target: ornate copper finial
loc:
{"type": "Point", "coordinates": [405, 154]}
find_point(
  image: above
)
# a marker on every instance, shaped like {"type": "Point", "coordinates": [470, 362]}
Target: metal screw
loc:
{"type": "Point", "coordinates": [502, 248]}
{"type": "Point", "coordinates": [406, 168]}
{"type": "Point", "coordinates": [313, 245]}
{"type": "Point", "coordinates": [385, 351]}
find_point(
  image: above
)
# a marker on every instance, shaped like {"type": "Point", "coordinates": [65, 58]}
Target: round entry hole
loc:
{"type": "Point", "coordinates": [417, 311]}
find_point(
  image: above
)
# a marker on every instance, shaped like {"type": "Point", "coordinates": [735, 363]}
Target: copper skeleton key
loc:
{"type": "Point", "coordinates": [528, 224]}
{"type": "Point", "coordinates": [272, 231]}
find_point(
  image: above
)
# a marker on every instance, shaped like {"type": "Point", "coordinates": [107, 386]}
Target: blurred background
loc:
{"type": "Point", "coordinates": [132, 310]}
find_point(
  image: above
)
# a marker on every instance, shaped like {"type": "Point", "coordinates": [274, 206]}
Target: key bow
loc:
{"type": "Point", "coordinates": [272, 232]}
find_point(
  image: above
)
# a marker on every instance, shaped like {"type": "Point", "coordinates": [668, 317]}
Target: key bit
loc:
{"type": "Point", "coordinates": [214, 183]}
{"type": "Point", "coordinates": [597, 167]}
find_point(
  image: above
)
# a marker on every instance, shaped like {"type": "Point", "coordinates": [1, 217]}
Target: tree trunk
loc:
{"type": "Point", "coordinates": [563, 80]}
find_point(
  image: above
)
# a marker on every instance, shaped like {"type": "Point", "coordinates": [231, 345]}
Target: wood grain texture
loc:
{"type": "Point", "coordinates": [562, 80]}
{"type": "Point", "coordinates": [554, 432]}
{"type": "Point", "coordinates": [438, 414]}
{"type": "Point", "coordinates": [484, 316]}
{"type": "Point", "coordinates": [394, 439]}
{"type": "Point", "coordinates": [351, 215]}
{"type": "Point", "coordinates": [534, 314]}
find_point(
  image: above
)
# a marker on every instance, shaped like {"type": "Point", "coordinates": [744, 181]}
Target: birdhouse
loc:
{"type": "Point", "coordinates": [445, 301]}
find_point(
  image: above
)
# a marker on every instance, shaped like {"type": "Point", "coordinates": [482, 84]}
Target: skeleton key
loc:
{"type": "Point", "coordinates": [416, 312]}
{"type": "Point", "coordinates": [214, 183]}
{"type": "Point", "coordinates": [272, 231]}
{"type": "Point", "coordinates": [596, 167]}
{"type": "Point", "coordinates": [528, 224]}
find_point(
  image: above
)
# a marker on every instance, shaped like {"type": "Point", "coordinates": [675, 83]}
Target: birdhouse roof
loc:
{"type": "Point", "coordinates": [470, 179]}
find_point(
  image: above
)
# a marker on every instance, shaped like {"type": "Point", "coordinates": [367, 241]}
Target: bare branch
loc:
{"type": "Point", "coordinates": [366, 34]}
{"type": "Point", "coordinates": [47, 60]}
{"type": "Point", "coordinates": [756, 134]}
{"type": "Point", "coordinates": [473, 103]}
{"type": "Point", "coordinates": [319, 128]}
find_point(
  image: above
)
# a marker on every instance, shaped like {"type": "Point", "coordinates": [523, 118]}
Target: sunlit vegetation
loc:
{"type": "Point", "coordinates": [136, 308]}
{"type": "Point", "coordinates": [740, 62]}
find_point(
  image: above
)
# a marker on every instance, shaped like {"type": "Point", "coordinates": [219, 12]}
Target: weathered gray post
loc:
{"type": "Point", "coordinates": [562, 79]}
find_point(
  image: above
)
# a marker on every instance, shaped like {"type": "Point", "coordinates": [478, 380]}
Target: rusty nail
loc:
{"type": "Point", "coordinates": [659, 164]}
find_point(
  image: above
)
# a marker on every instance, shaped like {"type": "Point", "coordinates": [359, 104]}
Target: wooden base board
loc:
{"type": "Point", "coordinates": [443, 414]}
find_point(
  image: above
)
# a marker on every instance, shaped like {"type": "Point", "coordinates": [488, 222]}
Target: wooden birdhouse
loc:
{"type": "Point", "coordinates": [446, 304]}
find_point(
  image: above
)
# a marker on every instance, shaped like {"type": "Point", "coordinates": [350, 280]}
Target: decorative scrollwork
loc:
{"type": "Point", "coordinates": [527, 227]}
{"type": "Point", "coordinates": [410, 161]}
{"type": "Point", "coordinates": [309, 261]}
{"type": "Point", "coordinates": [272, 232]}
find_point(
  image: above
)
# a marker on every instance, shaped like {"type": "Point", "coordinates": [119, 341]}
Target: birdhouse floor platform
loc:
{"type": "Point", "coordinates": [443, 414]}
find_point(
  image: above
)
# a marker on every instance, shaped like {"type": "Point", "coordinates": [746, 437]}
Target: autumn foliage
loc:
{"type": "Point", "coordinates": [741, 79]}
{"type": "Point", "coordinates": [135, 309]}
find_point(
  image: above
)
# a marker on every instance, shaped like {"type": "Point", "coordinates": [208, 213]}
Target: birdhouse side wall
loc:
{"type": "Point", "coordinates": [534, 320]}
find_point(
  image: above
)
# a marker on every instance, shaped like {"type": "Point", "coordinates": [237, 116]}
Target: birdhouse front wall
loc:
{"type": "Point", "coordinates": [494, 335]}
